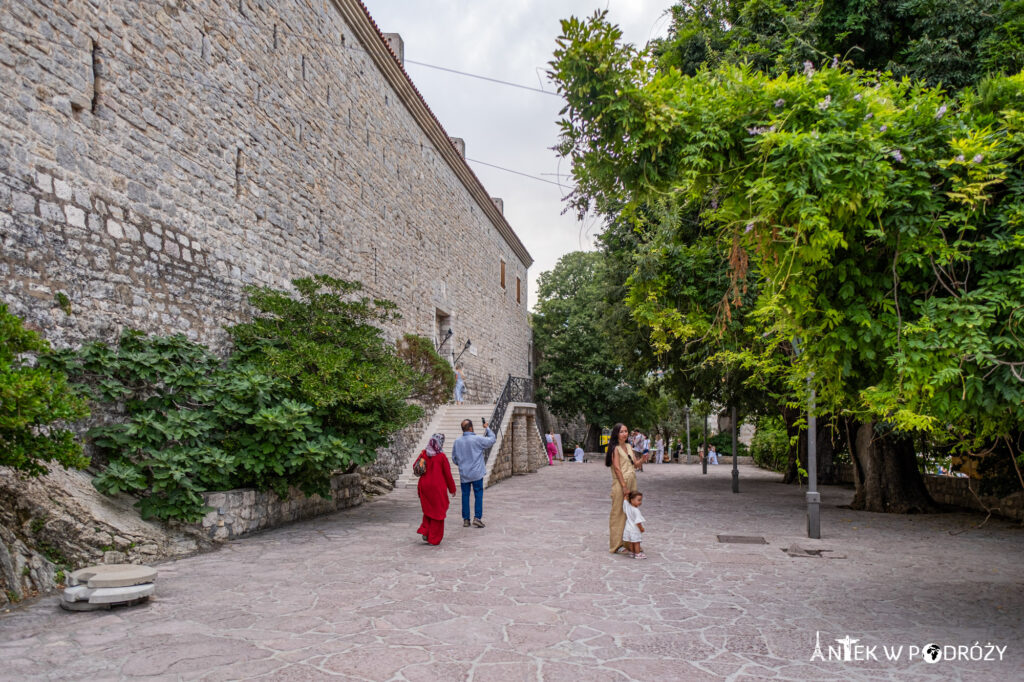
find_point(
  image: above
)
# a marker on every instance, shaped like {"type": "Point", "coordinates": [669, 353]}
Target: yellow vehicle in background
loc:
{"type": "Point", "coordinates": [606, 434]}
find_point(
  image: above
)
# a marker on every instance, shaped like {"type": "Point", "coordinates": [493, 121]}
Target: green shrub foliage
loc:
{"type": "Point", "coordinates": [723, 444]}
{"type": "Point", "coordinates": [196, 424]}
{"type": "Point", "coordinates": [34, 400]}
{"type": "Point", "coordinates": [313, 388]}
{"type": "Point", "coordinates": [326, 346]}
{"type": "Point", "coordinates": [435, 378]}
{"type": "Point", "coordinates": [770, 445]}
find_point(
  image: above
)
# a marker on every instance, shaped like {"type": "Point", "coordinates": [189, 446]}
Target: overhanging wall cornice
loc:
{"type": "Point", "coordinates": [367, 32]}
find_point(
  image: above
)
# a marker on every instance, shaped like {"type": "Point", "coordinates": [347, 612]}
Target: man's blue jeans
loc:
{"type": "Point", "coordinates": [478, 494]}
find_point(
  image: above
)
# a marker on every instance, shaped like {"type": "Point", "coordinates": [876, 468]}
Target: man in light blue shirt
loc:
{"type": "Point", "coordinates": [468, 455]}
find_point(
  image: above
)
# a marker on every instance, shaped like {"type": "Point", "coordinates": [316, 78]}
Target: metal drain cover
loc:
{"type": "Point", "coordinates": [743, 539]}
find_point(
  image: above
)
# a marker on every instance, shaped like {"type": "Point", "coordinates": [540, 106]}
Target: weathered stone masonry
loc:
{"type": "Point", "coordinates": [157, 156]}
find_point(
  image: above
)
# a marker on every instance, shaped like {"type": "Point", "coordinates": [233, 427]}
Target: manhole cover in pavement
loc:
{"type": "Point", "coordinates": [743, 539]}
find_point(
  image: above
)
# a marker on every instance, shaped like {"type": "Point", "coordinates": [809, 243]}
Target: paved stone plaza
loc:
{"type": "Point", "coordinates": [536, 596]}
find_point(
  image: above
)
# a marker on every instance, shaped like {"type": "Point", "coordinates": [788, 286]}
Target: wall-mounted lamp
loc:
{"type": "Point", "coordinates": [444, 340]}
{"type": "Point", "coordinates": [464, 349]}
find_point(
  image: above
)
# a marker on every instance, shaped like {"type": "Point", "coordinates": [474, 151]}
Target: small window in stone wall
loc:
{"type": "Point", "coordinates": [519, 289]}
{"type": "Point", "coordinates": [502, 274]}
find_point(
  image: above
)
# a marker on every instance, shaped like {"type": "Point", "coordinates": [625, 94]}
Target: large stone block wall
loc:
{"type": "Point", "coordinates": [239, 512]}
{"type": "Point", "coordinates": [154, 159]}
{"type": "Point", "coordinates": [392, 460]}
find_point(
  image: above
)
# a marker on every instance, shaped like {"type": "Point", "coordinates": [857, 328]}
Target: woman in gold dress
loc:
{"type": "Point", "coordinates": [622, 461]}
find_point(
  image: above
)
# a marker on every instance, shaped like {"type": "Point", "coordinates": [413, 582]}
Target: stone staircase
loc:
{"type": "Point", "coordinates": [446, 420]}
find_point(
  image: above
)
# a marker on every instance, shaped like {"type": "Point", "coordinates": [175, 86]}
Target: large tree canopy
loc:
{"type": "Point", "coordinates": [936, 41]}
{"type": "Point", "coordinates": [881, 221]}
{"type": "Point", "coordinates": [578, 372]}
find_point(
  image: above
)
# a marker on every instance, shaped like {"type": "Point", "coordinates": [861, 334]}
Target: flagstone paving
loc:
{"type": "Point", "coordinates": [536, 596]}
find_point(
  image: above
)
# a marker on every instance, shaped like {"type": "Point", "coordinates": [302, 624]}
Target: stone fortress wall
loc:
{"type": "Point", "coordinates": [155, 157]}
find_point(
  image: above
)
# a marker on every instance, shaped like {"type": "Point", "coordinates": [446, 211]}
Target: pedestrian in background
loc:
{"type": "Point", "coordinates": [551, 449]}
{"type": "Point", "coordinates": [460, 384]}
{"type": "Point", "coordinates": [659, 448]}
{"type": "Point", "coordinates": [468, 455]}
{"type": "Point", "coordinates": [434, 487]}
{"type": "Point", "coordinates": [637, 443]}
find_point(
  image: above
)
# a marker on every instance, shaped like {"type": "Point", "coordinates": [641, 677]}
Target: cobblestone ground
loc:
{"type": "Point", "coordinates": [536, 596]}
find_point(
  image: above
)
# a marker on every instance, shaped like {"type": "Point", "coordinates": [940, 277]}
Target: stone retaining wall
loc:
{"type": "Point", "coordinates": [957, 492]}
{"type": "Point", "coordinates": [723, 460]}
{"type": "Point", "coordinates": [503, 465]}
{"type": "Point", "coordinates": [525, 455]}
{"type": "Point", "coordinates": [240, 512]}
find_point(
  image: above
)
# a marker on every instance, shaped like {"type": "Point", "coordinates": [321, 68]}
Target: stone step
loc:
{"type": "Point", "coordinates": [448, 420]}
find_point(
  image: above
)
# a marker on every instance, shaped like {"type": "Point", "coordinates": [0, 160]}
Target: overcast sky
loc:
{"type": "Point", "coordinates": [510, 40]}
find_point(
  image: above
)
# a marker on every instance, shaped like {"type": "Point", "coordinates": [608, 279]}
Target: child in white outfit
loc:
{"type": "Point", "coordinates": [634, 530]}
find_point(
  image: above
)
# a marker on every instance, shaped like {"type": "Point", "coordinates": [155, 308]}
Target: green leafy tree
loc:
{"type": "Point", "coordinates": [577, 372]}
{"type": "Point", "coordinates": [1002, 51]}
{"type": "Point", "coordinates": [34, 402]}
{"type": "Point", "coordinates": [877, 219]}
{"type": "Point", "coordinates": [936, 41]}
{"type": "Point", "coordinates": [774, 36]}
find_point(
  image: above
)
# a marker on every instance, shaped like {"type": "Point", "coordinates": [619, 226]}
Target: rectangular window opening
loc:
{"type": "Point", "coordinates": [519, 290]}
{"type": "Point", "coordinates": [502, 274]}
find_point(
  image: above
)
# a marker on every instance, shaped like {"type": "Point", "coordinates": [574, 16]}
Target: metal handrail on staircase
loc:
{"type": "Point", "coordinates": [517, 390]}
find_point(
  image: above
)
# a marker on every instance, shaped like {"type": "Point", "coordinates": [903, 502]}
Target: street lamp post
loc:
{"type": "Point", "coordinates": [704, 453]}
{"type": "Point", "coordinates": [735, 454]}
{"type": "Point", "coordinates": [687, 435]}
{"type": "Point", "coordinates": [813, 496]}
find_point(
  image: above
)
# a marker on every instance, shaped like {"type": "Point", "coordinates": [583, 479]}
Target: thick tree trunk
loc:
{"type": "Point", "coordinates": [826, 452]}
{"type": "Point", "coordinates": [886, 475]}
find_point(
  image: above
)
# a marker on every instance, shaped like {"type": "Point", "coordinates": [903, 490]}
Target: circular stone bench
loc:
{"type": "Point", "coordinates": [101, 587]}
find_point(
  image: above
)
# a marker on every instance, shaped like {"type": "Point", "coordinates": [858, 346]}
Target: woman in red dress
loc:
{"type": "Point", "coordinates": [432, 488]}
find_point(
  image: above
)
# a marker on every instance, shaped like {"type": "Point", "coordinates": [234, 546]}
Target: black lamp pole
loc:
{"type": "Point", "coordinates": [687, 435]}
{"type": "Point", "coordinates": [444, 340]}
{"type": "Point", "coordinates": [704, 454]}
{"type": "Point", "coordinates": [735, 453]}
{"type": "Point", "coordinates": [464, 349]}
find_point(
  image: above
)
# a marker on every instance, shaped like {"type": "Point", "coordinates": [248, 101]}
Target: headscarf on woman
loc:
{"type": "Point", "coordinates": [435, 445]}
